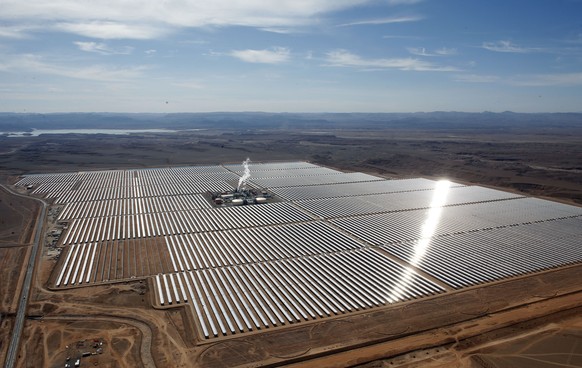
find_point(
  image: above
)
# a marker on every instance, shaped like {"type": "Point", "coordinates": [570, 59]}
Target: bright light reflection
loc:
{"type": "Point", "coordinates": [427, 230]}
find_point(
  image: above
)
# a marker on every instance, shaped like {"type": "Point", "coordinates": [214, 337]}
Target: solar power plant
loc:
{"type": "Point", "coordinates": [328, 243]}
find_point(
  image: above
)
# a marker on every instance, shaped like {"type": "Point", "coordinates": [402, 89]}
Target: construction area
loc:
{"type": "Point", "coordinates": [299, 253]}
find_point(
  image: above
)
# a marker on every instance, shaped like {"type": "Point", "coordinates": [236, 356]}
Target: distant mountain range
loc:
{"type": "Point", "coordinates": [14, 122]}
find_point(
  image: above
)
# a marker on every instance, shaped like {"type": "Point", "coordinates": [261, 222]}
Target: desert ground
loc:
{"type": "Point", "coordinates": [537, 161]}
{"type": "Point", "coordinates": [17, 217]}
{"type": "Point", "coordinates": [533, 320]}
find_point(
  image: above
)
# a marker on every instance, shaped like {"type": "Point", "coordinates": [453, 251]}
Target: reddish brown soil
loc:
{"type": "Point", "coordinates": [17, 219]}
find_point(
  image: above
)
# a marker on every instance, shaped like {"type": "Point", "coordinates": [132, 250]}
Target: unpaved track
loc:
{"type": "Point", "coordinates": [146, 332]}
{"type": "Point", "coordinates": [24, 295]}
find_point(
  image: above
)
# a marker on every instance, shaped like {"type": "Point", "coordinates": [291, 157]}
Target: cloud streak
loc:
{"type": "Point", "coordinates": [112, 30]}
{"type": "Point", "coordinates": [279, 30]}
{"type": "Point", "coordinates": [421, 51]}
{"type": "Point", "coordinates": [506, 46]}
{"type": "Point", "coordinates": [30, 63]}
{"type": "Point", "coordinates": [525, 80]}
{"type": "Point", "coordinates": [276, 55]}
{"type": "Point", "coordinates": [103, 49]}
{"type": "Point", "coordinates": [403, 2]}
{"type": "Point", "coordinates": [445, 51]}
{"type": "Point", "coordinates": [405, 19]}
{"type": "Point", "coordinates": [149, 19]}
{"type": "Point", "coordinates": [476, 78]}
{"type": "Point", "coordinates": [548, 80]}
{"type": "Point", "coordinates": [15, 32]}
{"type": "Point", "coordinates": [344, 58]}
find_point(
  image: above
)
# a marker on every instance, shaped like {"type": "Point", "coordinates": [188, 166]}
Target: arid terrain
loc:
{"type": "Point", "coordinates": [536, 161]}
{"type": "Point", "coordinates": [533, 320]}
{"type": "Point", "coordinates": [17, 218]}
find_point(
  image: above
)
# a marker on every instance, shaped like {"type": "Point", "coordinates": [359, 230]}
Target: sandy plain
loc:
{"type": "Point", "coordinates": [17, 218]}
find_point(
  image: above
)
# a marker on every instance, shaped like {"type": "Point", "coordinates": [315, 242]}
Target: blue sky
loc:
{"type": "Point", "coordinates": [290, 55]}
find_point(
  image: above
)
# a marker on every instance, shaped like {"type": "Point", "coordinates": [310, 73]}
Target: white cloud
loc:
{"type": "Point", "coordinates": [576, 40]}
{"type": "Point", "coordinates": [213, 53]}
{"type": "Point", "coordinates": [103, 49]}
{"type": "Point", "coordinates": [112, 30]}
{"type": "Point", "coordinates": [145, 19]}
{"type": "Point", "coordinates": [275, 56]}
{"type": "Point", "coordinates": [390, 20]}
{"type": "Point", "coordinates": [279, 30]}
{"type": "Point", "coordinates": [30, 63]}
{"type": "Point", "coordinates": [343, 58]}
{"type": "Point", "coordinates": [194, 42]}
{"type": "Point", "coordinates": [17, 32]}
{"type": "Point", "coordinates": [403, 2]}
{"type": "Point", "coordinates": [421, 51]}
{"type": "Point", "coordinates": [476, 78]}
{"type": "Point", "coordinates": [541, 80]}
{"type": "Point", "coordinates": [400, 37]}
{"type": "Point", "coordinates": [525, 80]}
{"type": "Point", "coordinates": [506, 46]}
{"type": "Point", "coordinates": [445, 51]}
{"type": "Point", "coordinates": [188, 84]}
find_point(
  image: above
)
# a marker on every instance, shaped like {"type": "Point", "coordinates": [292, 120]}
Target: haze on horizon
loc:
{"type": "Point", "coordinates": [290, 56]}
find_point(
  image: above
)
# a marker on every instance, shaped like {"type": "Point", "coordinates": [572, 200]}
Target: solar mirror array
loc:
{"type": "Point", "coordinates": [331, 244]}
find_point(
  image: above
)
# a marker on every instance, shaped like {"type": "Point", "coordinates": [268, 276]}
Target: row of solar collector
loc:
{"type": "Point", "coordinates": [272, 166]}
{"type": "Point", "coordinates": [240, 246]}
{"type": "Point", "coordinates": [180, 222]}
{"type": "Point", "coordinates": [329, 207]}
{"type": "Point", "coordinates": [458, 260]}
{"type": "Point", "coordinates": [103, 262]}
{"type": "Point", "coordinates": [54, 189]}
{"type": "Point", "coordinates": [36, 179]}
{"type": "Point", "coordinates": [133, 206]}
{"type": "Point", "coordinates": [129, 181]}
{"type": "Point", "coordinates": [403, 226]}
{"type": "Point", "coordinates": [297, 193]}
{"type": "Point", "coordinates": [400, 201]}
{"type": "Point", "coordinates": [162, 180]}
{"type": "Point", "coordinates": [238, 168]}
{"type": "Point", "coordinates": [395, 227]}
{"type": "Point", "coordinates": [257, 173]}
{"type": "Point", "coordinates": [95, 190]}
{"type": "Point", "coordinates": [118, 174]}
{"type": "Point", "coordinates": [226, 248]}
{"type": "Point", "coordinates": [78, 264]}
{"type": "Point", "coordinates": [467, 259]}
{"type": "Point", "coordinates": [243, 298]}
{"type": "Point", "coordinates": [550, 231]}
{"type": "Point", "coordinates": [172, 186]}
{"type": "Point", "coordinates": [139, 191]}
{"type": "Point", "coordinates": [300, 181]}
{"type": "Point", "coordinates": [123, 176]}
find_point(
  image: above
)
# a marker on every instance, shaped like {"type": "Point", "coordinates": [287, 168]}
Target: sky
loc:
{"type": "Point", "coordinates": [166, 56]}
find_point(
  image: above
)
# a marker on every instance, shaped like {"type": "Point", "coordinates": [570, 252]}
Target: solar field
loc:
{"type": "Point", "coordinates": [332, 243]}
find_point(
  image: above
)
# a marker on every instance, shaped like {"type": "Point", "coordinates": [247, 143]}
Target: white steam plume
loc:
{"type": "Point", "coordinates": [247, 174]}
